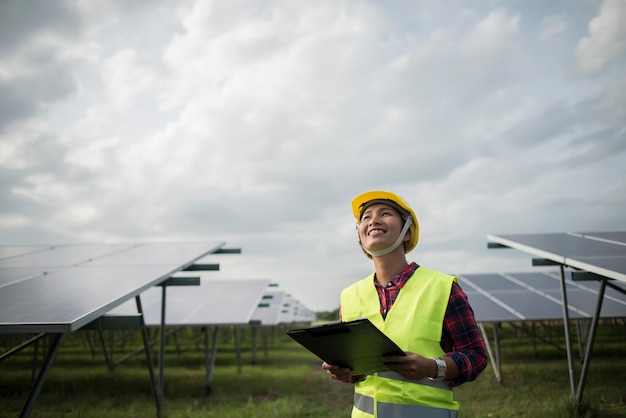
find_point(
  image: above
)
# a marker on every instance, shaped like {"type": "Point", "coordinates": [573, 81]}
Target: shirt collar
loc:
{"type": "Point", "coordinates": [401, 279]}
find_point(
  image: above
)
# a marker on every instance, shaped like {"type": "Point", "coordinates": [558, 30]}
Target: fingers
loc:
{"type": "Point", "coordinates": [336, 372]}
{"type": "Point", "coordinates": [408, 357]}
{"type": "Point", "coordinates": [412, 366]}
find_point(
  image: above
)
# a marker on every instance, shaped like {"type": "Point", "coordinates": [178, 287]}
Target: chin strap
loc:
{"type": "Point", "coordinates": [378, 253]}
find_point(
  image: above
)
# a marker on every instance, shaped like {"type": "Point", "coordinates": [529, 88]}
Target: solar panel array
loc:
{"type": "Point", "coordinates": [535, 296]}
{"type": "Point", "coordinates": [599, 258]}
{"type": "Point", "coordinates": [62, 288]}
{"type": "Point", "coordinates": [58, 289]}
{"type": "Point", "coordinates": [213, 302]}
{"type": "Point", "coordinates": [269, 308]}
{"type": "Point", "coordinates": [602, 253]}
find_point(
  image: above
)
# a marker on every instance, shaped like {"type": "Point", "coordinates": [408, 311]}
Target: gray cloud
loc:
{"type": "Point", "coordinates": [22, 21]}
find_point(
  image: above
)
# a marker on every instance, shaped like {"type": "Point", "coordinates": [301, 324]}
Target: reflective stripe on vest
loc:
{"type": "Point", "coordinates": [365, 404]}
{"type": "Point", "coordinates": [426, 382]}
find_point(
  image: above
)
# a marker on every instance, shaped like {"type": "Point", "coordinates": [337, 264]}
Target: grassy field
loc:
{"type": "Point", "coordinates": [287, 381]}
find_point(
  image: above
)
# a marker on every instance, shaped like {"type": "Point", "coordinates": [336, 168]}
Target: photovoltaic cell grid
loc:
{"type": "Point", "coordinates": [213, 302]}
{"type": "Point", "coordinates": [292, 311]}
{"type": "Point", "coordinates": [602, 253]}
{"type": "Point", "coordinates": [535, 296]}
{"type": "Point", "coordinates": [61, 288]}
{"type": "Point", "coordinates": [268, 309]}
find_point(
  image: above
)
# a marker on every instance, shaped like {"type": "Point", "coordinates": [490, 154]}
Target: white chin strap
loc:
{"type": "Point", "coordinates": [378, 253]}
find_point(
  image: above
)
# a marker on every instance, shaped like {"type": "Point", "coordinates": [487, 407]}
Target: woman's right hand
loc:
{"type": "Point", "coordinates": [336, 372]}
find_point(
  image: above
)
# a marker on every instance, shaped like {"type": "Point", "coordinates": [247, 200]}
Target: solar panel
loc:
{"type": "Point", "coordinates": [268, 309]}
{"type": "Point", "coordinates": [286, 311]}
{"type": "Point", "coordinates": [82, 282]}
{"type": "Point", "coordinates": [63, 255]}
{"type": "Point", "coordinates": [213, 302]}
{"type": "Point", "coordinates": [599, 253]}
{"type": "Point", "coordinates": [615, 236]}
{"type": "Point", "coordinates": [7, 251]}
{"type": "Point", "coordinates": [533, 296]}
{"type": "Point", "coordinates": [15, 274]}
{"type": "Point", "coordinates": [59, 289]}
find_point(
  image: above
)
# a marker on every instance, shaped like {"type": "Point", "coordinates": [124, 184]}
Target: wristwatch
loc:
{"type": "Point", "coordinates": [441, 369]}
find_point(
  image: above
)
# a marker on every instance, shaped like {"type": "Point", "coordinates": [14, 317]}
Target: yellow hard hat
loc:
{"type": "Point", "coordinates": [361, 200]}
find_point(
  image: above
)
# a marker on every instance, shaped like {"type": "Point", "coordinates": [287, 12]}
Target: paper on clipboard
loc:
{"type": "Point", "coordinates": [357, 344]}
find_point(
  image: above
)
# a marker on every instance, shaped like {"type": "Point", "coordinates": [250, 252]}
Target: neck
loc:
{"type": "Point", "coordinates": [389, 266]}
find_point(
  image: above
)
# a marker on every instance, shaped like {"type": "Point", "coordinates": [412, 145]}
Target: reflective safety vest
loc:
{"type": "Point", "coordinates": [415, 323]}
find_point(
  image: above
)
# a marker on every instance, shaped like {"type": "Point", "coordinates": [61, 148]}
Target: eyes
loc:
{"type": "Point", "coordinates": [383, 213]}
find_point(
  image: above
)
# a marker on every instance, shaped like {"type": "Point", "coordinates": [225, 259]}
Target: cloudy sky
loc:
{"type": "Point", "coordinates": [256, 122]}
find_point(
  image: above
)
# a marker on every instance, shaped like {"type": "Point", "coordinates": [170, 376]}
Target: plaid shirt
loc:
{"type": "Point", "coordinates": [461, 339]}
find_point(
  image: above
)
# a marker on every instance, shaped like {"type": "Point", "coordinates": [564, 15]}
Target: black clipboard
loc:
{"type": "Point", "coordinates": [357, 344]}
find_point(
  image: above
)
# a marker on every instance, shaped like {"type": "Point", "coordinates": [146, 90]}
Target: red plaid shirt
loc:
{"type": "Point", "coordinates": [460, 339]}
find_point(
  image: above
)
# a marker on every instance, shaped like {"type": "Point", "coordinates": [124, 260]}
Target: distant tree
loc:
{"type": "Point", "coordinates": [328, 315]}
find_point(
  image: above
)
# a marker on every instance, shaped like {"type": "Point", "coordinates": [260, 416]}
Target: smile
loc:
{"type": "Point", "coordinates": [376, 231]}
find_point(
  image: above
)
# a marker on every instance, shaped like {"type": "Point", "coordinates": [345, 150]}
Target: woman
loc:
{"type": "Point", "coordinates": [424, 311]}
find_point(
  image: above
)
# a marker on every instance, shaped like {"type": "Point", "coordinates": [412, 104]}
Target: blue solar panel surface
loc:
{"type": "Point", "coordinates": [62, 288]}
{"type": "Point", "coordinates": [535, 296]}
{"type": "Point", "coordinates": [213, 302]}
{"type": "Point", "coordinates": [602, 253]}
{"type": "Point", "coordinates": [269, 308]}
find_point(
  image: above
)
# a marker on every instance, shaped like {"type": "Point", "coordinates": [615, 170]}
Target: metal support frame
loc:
{"type": "Point", "coordinates": [146, 343]}
{"type": "Point", "coordinates": [494, 357]}
{"type": "Point", "coordinates": [124, 358]}
{"type": "Point", "coordinates": [43, 373]}
{"type": "Point", "coordinates": [533, 337]}
{"type": "Point", "coordinates": [255, 339]}
{"type": "Point", "coordinates": [209, 361]}
{"type": "Point", "coordinates": [21, 346]}
{"type": "Point", "coordinates": [568, 342]}
{"type": "Point", "coordinates": [577, 392]}
{"type": "Point", "coordinates": [39, 377]}
{"type": "Point", "coordinates": [237, 331]}
{"type": "Point", "coordinates": [590, 340]}
{"type": "Point", "coordinates": [162, 347]}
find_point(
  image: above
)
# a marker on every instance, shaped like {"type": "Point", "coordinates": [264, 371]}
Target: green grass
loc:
{"type": "Point", "coordinates": [288, 382]}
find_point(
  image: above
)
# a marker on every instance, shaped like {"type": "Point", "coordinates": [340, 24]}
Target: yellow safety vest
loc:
{"type": "Point", "coordinates": [415, 323]}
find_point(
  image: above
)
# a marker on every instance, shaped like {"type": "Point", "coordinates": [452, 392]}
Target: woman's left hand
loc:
{"type": "Point", "coordinates": [411, 367]}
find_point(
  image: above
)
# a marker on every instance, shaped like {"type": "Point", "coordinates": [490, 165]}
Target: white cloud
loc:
{"type": "Point", "coordinates": [606, 42]}
{"type": "Point", "coordinates": [128, 78]}
{"type": "Point", "coordinates": [552, 26]}
{"type": "Point", "coordinates": [491, 35]}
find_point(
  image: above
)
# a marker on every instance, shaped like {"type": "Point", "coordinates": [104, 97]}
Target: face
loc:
{"type": "Point", "coordinates": [379, 227]}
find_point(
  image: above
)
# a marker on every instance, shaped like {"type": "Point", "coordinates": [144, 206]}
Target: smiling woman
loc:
{"type": "Point", "coordinates": [424, 311]}
{"type": "Point", "coordinates": [367, 205]}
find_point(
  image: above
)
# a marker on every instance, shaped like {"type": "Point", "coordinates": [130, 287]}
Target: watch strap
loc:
{"type": "Point", "coordinates": [441, 369]}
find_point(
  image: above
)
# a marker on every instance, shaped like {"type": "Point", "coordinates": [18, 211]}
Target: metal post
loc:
{"type": "Point", "coordinates": [43, 373]}
{"type": "Point", "coordinates": [255, 337]}
{"type": "Point", "coordinates": [568, 343]}
{"type": "Point", "coordinates": [209, 370]}
{"type": "Point", "coordinates": [238, 347]}
{"type": "Point", "coordinates": [162, 348]}
{"type": "Point", "coordinates": [496, 337]}
{"type": "Point", "coordinates": [495, 362]}
{"type": "Point", "coordinates": [590, 340]}
{"type": "Point", "coordinates": [148, 350]}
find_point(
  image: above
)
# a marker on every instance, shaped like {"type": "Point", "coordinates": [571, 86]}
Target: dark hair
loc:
{"type": "Point", "coordinates": [404, 214]}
